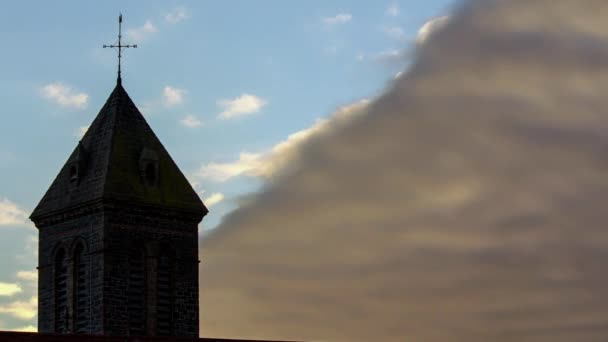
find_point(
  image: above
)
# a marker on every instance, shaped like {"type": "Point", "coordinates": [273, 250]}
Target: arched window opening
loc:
{"type": "Point", "coordinates": [61, 293]}
{"type": "Point", "coordinates": [164, 295]}
{"type": "Point", "coordinates": [80, 291]}
{"type": "Point", "coordinates": [136, 292]}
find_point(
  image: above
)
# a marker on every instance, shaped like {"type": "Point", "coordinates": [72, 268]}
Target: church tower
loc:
{"type": "Point", "coordinates": [118, 232]}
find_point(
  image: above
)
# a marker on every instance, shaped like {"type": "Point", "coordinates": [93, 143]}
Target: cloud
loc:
{"type": "Point", "coordinates": [27, 328]}
{"type": "Point", "coordinates": [267, 163]}
{"type": "Point", "coordinates": [191, 121]}
{"type": "Point", "coordinates": [215, 198]}
{"type": "Point", "coordinates": [173, 96]}
{"type": "Point", "coordinates": [31, 276]}
{"type": "Point", "coordinates": [390, 56]}
{"type": "Point", "coordinates": [81, 131]}
{"type": "Point", "coordinates": [430, 27]}
{"type": "Point", "coordinates": [465, 204]}
{"type": "Point", "coordinates": [240, 106]}
{"type": "Point", "coordinates": [395, 32]}
{"type": "Point", "coordinates": [139, 34]}
{"type": "Point", "coordinates": [65, 96]}
{"type": "Point", "coordinates": [393, 10]}
{"type": "Point", "coordinates": [9, 289]}
{"type": "Point", "coordinates": [11, 214]}
{"type": "Point", "coordinates": [177, 15]}
{"type": "Point", "coordinates": [24, 310]}
{"type": "Point", "coordinates": [338, 19]}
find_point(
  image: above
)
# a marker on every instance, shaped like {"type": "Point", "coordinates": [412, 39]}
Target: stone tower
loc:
{"type": "Point", "coordinates": [118, 231]}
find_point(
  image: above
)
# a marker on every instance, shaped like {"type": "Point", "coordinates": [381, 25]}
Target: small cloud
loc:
{"type": "Point", "coordinates": [431, 27]}
{"type": "Point", "coordinates": [81, 131]}
{"type": "Point", "coordinates": [11, 214]}
{"type": "Point", "coordinates": [398, 74]}
{"type": "Point", "coordinates": [173, 96]}
{"type": "Point", "coordinates": [21, 310]}
{"type": "Point", "coordinates": [142, 32]}
{"type": "Point", "coordinates": [393, 10]}
{"type": "Point", "coordinates": [176, 15]}
{"type": "Point", "coordinates": [65, 95]}
{"type": "Point", "coordinates": [395, 32]}
{"type": "Point", "coordinates": [190, 121]}
{"type": "Point", "coordinates": [240, 106]}
{"type": "Point", "coordinates": [27, 276]}
{"type": "Point", "coordinates": [390, 56]}
{"type": "Point", "coordinates": [340, 18]}
{"type": "Point", "coordinates": [9, 289]}
{"type": "Point", "coordinates": [360, 56]}
{"type": "Point", "coordinates": [215, 198]}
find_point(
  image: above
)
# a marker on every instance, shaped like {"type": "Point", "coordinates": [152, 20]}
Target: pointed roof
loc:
{"type": "Point", "coordinates": [119, 159]}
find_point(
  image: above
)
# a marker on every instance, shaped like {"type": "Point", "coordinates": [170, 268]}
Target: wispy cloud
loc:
{"type": "Point", "coordinates": [213, 199]}
{"type": "Point", "coordinates": [430, 27]}
{"type": "Point", "coordinates": [9, 289]}
{"type": "Point", "coordinates": [266, 163]}
{"type": "Point", "coordinates": [65, 96]}
{"type": "Point", "coordinates": [395, 32]}
{"type": "Point", "coordinates": [340, 18]}
{"type": "Point", "coordinates": [24, 310]}
{"type": "Point", "coordinates": [11, 213]}
{"type": "Point", "coordinates": [191, 121]}
{"type": "Point", "coordinates": [173, 96]}
{"type": "Point", "coordinates": [31, 276]}
{"type": "Point", "coordinates": [393, 10]}
{"type": "Point", "coordinates": [390, 56]}
{"type": "Point", "coordinates": [176, 15]}
{"type": "Point", "coordinates": [138, 34]}
{"type": "Point", "coordinates": [240, 106]}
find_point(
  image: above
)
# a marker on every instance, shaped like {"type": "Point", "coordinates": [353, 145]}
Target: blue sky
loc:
{"type": "Point", "coordinates": [213, 79]}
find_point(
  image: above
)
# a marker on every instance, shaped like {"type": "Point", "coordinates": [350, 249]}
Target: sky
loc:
{"type": "Point", "coordinates": [230, 88]}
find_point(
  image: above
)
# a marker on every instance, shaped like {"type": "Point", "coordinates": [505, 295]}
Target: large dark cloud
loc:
{"type": "Point", "coordinates": [466, 204]}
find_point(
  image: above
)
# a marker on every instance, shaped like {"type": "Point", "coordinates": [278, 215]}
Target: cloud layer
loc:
{"type": "Point", "coordinates": [11, 213]}
{"type": "Point", "coordinates": [465, 204]}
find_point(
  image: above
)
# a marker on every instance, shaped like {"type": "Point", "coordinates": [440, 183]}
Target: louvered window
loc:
{"type": "Point", "coordinates": [164, 287]}
{"type": "Point", "coordinates": [136, 293]}
{"type": "Point", "coordinates": [61, 294]}
{"type": "Point", "coordinates": [81, 312]}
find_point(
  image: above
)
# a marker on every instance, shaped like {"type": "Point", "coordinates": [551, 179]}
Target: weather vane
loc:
{"type": "Point", "coordinates": [120, 45]}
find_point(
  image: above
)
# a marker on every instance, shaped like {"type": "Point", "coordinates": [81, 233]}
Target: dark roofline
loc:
{"type": "Point", "coordinates": [14, 336]}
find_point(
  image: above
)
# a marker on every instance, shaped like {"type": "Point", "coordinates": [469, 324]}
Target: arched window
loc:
{"type": "Point", "coordinates": [136, 292]}
{"type": "Point", "coordinates": [164, 294]}
{"type": "Point", "coordinates": [80, 286]}
{"type": "Point", "coordinates": [61, 293]}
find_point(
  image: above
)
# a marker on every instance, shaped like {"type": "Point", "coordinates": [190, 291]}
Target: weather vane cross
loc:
{"type": "Point", "coordinates": [120, 45]}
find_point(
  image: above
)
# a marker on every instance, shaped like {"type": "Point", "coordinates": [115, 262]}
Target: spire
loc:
{"type": "Point", "coordinates": [120, 46]}
{"type": "Point", "coordinates": [120, 160]}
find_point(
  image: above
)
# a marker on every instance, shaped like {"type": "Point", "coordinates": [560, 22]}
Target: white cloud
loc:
{"type": "Point", "coordinates": [176, 15]}
{"type": "Point", "coordinates": [11, 214]}
{"type": "Point", "coordinates": [191, 121]}
{"type": "Point", "coordinates": [20, 309]}
{"type": "Point", "coordinates": [240, 106]}
{"type": "Point", "coordinates": [265, 164]}
{"type": "Point", "coordinates": [430, 27]}
{"type": "Point", "coordinates": [173, 96]}
{"type": "Point", "coordinates": [31, 276]}
{"type": "Point", "coordinates": [142, 32]}
{"type": "Point", "coordinates": [395, 32]}
{"type": "Point", "coordinates": [215, 198]}
{"type": "Point", "coordinates": [65, 95]}
{"type": "Point", "coordinates": [340, 18]}
{"type": "Point", "coordinates": [9, 289]}
{"type": "Point", "coordinates": [81, 131]}
{"type": "Point", "coordinates": [393, 10]}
